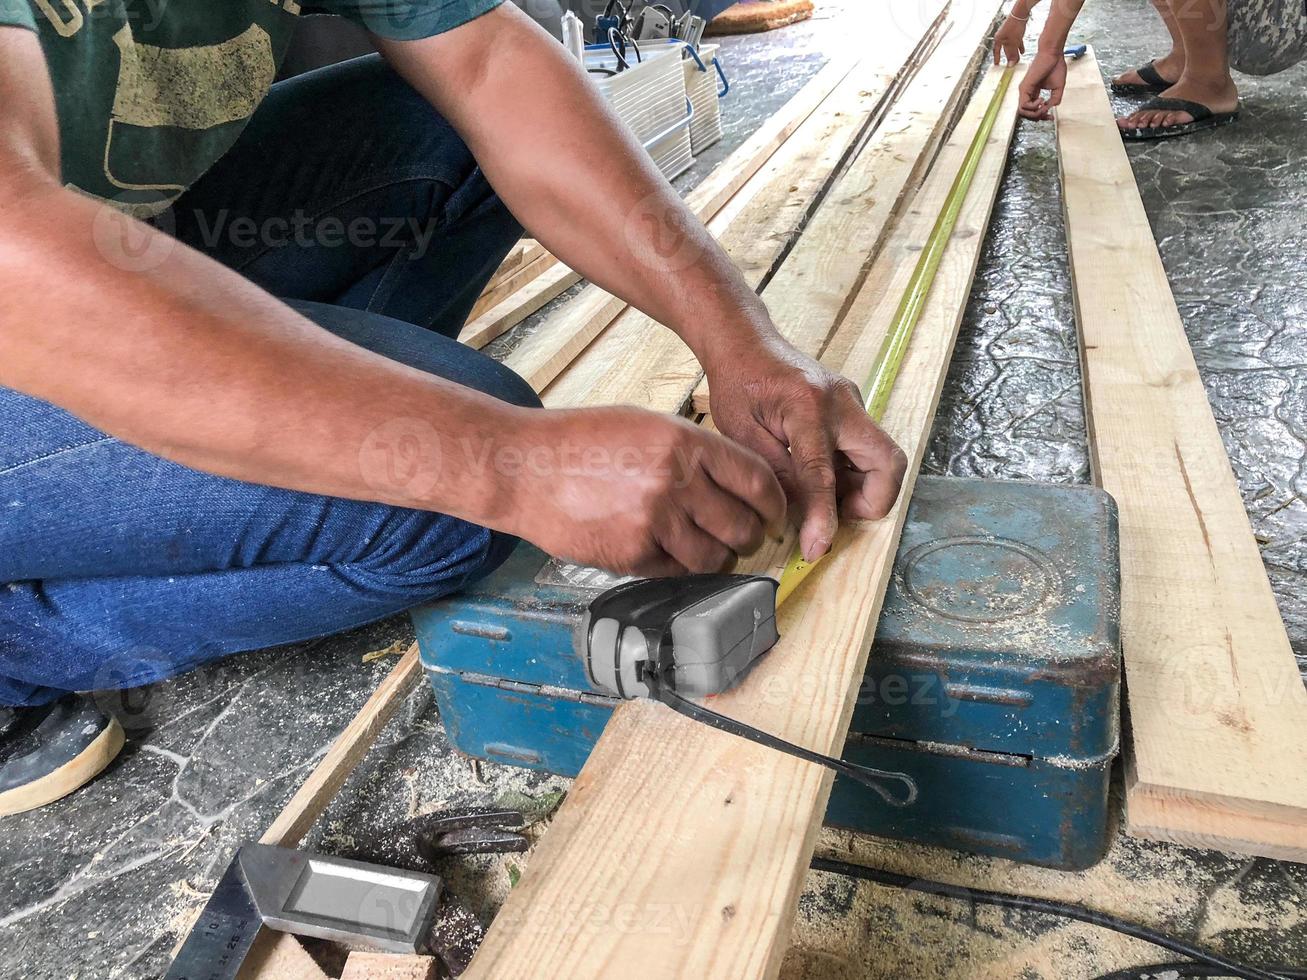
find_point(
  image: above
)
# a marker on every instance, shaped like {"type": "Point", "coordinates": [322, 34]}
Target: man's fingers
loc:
{"type": "Point", "coordinates": [744, 474]}
{"type": "Point", "coordinates": [724, 517]}
{"type": "Point", "coordinates": [812, 455]}
{"type": "Point", "coordinates": [871, 452]}
{"type": "Point", "coordinates": [662, 565]}
{"type": "Point", "coordinates": [1029, 90]}
{"type": "Point", "coordinates": [694, 548]}
{"type": "Point", "coordinates": [1036, 110]}
{"type": "Point", "coordinates": [870, 496]}
{"type": "Point", "coordinates": [857, 436]}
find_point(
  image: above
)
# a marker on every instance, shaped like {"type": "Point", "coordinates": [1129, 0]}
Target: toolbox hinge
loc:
{"type": "Point", "coordinates": [540, 690]}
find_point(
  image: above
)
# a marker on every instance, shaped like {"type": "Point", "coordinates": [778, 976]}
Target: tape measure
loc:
{"type": "Point", "coordinates": [880, 386]}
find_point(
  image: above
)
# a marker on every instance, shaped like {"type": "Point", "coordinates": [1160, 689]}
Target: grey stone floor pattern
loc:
{"type": "Point", "coordinates": [97, 885]}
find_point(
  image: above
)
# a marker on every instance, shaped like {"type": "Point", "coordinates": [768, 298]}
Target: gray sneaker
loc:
{"type": "Point", "coordinates": [48, 752]}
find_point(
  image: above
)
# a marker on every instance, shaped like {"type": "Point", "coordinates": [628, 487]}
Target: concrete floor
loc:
{"type": "Point", "coordinates": [98, 885]}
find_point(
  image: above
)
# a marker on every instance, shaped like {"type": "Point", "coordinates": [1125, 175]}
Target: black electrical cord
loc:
{"type": "Point", "coordinates": [1048, 907]}
{"type": "Point", "coordinates": [1188, 971]}
{"type": "Point", "coordinates": [615, 39]}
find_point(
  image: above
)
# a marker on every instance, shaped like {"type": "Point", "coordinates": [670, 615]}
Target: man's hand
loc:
{"type": "Point", "coordinates": [1010, 41]}
{"type": "Point", "coordinates": [641, 493]}
{"type": "Point", "coordinates": [1046, 72]}
{"type": "Point", "coordinates": [811, 427]}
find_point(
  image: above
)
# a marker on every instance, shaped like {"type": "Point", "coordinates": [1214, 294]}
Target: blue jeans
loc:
{"type": "Point", "coordinates": [352, 199]}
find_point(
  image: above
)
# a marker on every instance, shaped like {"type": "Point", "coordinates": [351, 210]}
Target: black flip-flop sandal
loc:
{"type": "Point", "coordinates": [1203, 118]}
{"type": "Point", "coordinates": [1153, 83]}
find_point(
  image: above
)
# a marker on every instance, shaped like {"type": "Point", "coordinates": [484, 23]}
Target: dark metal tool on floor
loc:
{"type": "Point", "coordinates": [306, 894]}
{"type": "Point", "coordinates": [471, 832]}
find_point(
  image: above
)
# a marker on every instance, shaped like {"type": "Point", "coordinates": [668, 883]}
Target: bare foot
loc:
{"type": "Point", "coordinates": [1219, 97]}
{"type": "Point", "coordinates": [1168, 66]}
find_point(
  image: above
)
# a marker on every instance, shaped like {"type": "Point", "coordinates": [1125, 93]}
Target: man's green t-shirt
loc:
{"type": "Point", "coordinates": [150, 93]}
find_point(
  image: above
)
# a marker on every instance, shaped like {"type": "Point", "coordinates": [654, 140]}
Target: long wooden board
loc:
{"type": "Point", "coordinates": [681, 851]}
{"type": "Point", "coordinates": [1217, 710]}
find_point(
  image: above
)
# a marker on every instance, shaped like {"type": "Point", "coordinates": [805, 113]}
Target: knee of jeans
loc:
{"type": "Point", "coordinates": [508, 386]}
{"type": "Point", "coordinates": [424, 556]}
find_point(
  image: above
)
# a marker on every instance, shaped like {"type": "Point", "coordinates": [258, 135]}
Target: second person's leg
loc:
{"type": "Point", "coordinates": [1171, 65]}
{"type": "Point", "coordinates": [1206, 78]}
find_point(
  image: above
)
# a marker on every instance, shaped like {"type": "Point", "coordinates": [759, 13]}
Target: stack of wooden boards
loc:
{"type": "Point", "coordinates": [1217, 754]}
{"type": "Point", "coordinates": [683, 850]}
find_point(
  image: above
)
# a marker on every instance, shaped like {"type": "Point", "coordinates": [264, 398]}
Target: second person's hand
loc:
{"type": "Point", "coordinates": [1047, 72]}
{"type": "Point", "coordinates": [1010, 40]}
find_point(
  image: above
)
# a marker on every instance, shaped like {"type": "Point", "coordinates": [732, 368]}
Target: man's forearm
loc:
{"type": "Point", "coordinates": [574, 176]}
{"type": "Point", "coordinates": [192, 362]}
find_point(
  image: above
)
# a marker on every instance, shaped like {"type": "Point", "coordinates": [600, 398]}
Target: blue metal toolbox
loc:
{"type": "Point", "coordinates": [993, 679]}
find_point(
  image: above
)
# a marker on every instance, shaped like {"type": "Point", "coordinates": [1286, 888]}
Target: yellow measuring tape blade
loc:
{"type": "Point", "coordinates": [890, 358]}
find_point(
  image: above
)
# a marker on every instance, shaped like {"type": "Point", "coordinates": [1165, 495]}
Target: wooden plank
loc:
{"type": "Point", "coordinates": [681, 850]}
{"type": "Point", "coordinates": [390, 966]}
{"type": "Point", "coordinates": [809, 295]}
{"type": "Point", "coordinates": [515, 308]}
{"type": "Point", "coordinates": [496, 292]}
{"type": "Point", "coordinates": [523, 253]}
{"type": "Point", "coordinates": [542, 357]}
{"type": "Point", "coordinates": [705, 200]}
{"type": "Point", "coordinates": [1217, 709]}
{"type": "Point", "coordinates": [345, 754]}
{"type": "Point", "coordinates": [755, 231]}
{"type": "Point", "coordinates": [279, 956]}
